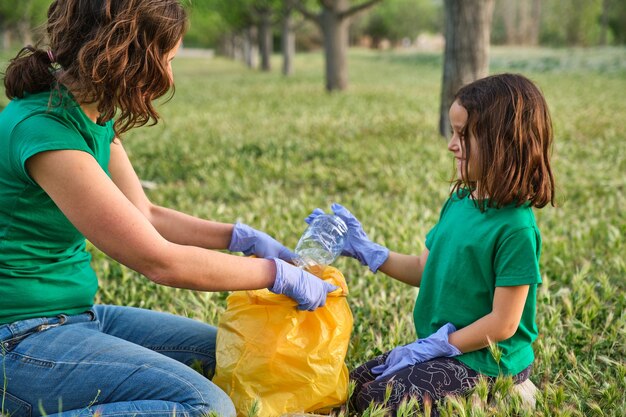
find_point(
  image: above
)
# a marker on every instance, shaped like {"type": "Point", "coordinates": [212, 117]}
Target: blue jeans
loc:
{"type": "Point", "coordinates": [114, 361]}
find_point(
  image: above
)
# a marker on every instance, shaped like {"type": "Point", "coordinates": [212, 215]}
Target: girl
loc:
{"type": "Point", "coordinates": [64, 178]}
{"type": "Point", "coordinates": [479, 273]}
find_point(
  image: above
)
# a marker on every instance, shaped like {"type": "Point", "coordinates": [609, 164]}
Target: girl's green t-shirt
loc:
{"type": "Point", "coordinates": [472, 253]}
{"type": "Point", "coordinates": [44, 267]}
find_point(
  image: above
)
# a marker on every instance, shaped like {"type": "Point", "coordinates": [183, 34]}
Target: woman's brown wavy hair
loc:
{"type": "Point", "coordinates": [110, 52]}
{"type": "Point", "coordinates": [509, 118]}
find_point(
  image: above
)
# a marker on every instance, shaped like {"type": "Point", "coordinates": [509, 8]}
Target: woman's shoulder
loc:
{"type": "Point", "coordinates": [54, 110]}
{"type": "Point", "coordinates": [28, 116]}
{"type": "Point", "coordinates": [22, 108]}
{"type": "Point", "coordinates": [37, 129]}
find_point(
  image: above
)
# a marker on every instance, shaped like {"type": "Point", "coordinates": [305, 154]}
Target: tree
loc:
{"type": "Point", "coordinates": [251, 23]}
{"type": "Point", "coordinates": [288, 38]}
{"type": "Point", "coordinates": [263, 15]}
{"type": "Point", "coordinates": [242, 38]}
{"type": "Point", "coordinates": [334, 23]}
{"type": "Point", "coordinates": [466, 55]}
{"type": "Point", "coordinates": [572, 22]}
{"type": "Point", "coordinates": [18, 20]}
{"type": "Point", "coordinates": [398, 19]}
{"type": "Point", "coordinates": [604, 22]}
{"type": "Point", "coordinates": [207, 26]}
{"type": "Point", "coordinates": [521, 21]}
{"type": "Point", "coordinates": [617, 20]}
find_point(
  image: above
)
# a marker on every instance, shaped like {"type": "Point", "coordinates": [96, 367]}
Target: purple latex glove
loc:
{"type": "Point", "coordinates": [306, 289]}
{"type": "Point", "coordinates": [422, 350]}
{"type": "Point", "coordinates": [253, 242]}
{"type": "Point", "coordinates": [357, 244]}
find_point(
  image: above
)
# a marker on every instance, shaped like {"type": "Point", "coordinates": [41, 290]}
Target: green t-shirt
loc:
{"type": "Point", "coordinates": [472, 253]}
{"type": "Point", "coordinates": [44, 267]}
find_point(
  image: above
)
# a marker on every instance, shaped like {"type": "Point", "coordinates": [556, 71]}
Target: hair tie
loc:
{"type": "Point", "coordinates": [51, 56]}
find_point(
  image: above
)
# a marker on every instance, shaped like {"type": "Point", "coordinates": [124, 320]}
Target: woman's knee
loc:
{"type": "Point", "coordinates": [216, 403]}
{"type": "Point", "coordinates": [208, 400]}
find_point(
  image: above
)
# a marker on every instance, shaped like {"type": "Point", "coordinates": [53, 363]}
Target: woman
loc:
{"type": "Point", "coordinates": [65, 177]}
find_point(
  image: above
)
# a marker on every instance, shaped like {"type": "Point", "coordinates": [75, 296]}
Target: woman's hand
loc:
{"type": "Point", "coordinates": [253, 242]}
{"type": "Point", "coordinates": [306, 289]}
{"type": "Point", "coordinates": [357, 244]}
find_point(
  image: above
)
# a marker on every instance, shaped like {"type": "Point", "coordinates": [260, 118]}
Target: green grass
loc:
{"type": "Point", "coordinates": [236, 144]}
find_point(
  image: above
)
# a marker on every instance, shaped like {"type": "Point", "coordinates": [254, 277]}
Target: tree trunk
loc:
{"type": "Point", "coordinates": [265, 39]}
{"type": "Point", "coordinates": [604, 22]}
{"type": "Point", "coordinates": [250, 47]}
{"type": "Point", "coordinates": [466, 56]}
{"type": "Point", "coordinates": [239, 53]}
{"type": "Point", "coordinates": [509, 17]}
{"type": "Point", "coordinates": [288, 40]}
{"type": "Point", "coordinates": [523, 22]}
{"type": "Point", "coordinates": [535, 23]}
{"type": "Point", "coordinates": [334, 22]}
{"type": "Point", "coordinates": [6, 39]}
{"type": "Point", "coordinates": [25, 32]}
{"type": "Point", "coordinates": [227, 45]}
{"type": "Point", "coordinates": [335, 30]}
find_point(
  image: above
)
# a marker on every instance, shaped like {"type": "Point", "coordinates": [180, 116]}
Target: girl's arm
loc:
{"type": "Point", "coordinates": [106, 217]}
{"type": "Point", "coordinates": [174, 226]}
{"type": "Point", "coordinates": [500, 324]}
{"type": "Point", "coordinates": [405, 268]}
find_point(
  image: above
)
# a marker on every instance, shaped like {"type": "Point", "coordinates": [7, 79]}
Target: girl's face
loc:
{"type": "Point", "coordinates": [458, 121]}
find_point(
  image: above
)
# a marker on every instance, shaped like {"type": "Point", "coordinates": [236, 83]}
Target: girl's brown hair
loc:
{"type": "Point", "coordinates": [509, 118]}
{"type": "Point", "coordinates": [110, 52]}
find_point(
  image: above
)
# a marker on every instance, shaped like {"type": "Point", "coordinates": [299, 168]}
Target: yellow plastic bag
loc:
{"type": "Point", "coordinates": [285, 359]}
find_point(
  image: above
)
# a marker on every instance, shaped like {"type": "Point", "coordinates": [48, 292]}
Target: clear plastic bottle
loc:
{"type": "Point", "coordinates": [322, 242]}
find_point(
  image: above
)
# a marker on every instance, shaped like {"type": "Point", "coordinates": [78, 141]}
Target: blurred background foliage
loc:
{"type": "Point", "coordinates": [396, 22]}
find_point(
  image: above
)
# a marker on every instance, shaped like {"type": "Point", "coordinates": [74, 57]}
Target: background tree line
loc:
{"type": "Point", "coordinates": [251, 30]}
{"type": "Point", "coordinates": [515, 22]}
{"type": "Point", "coordinates": [526, 22]}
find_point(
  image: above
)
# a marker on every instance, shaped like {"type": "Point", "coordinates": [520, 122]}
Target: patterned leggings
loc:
{"type": "Point", "coordinates": [428, 381]}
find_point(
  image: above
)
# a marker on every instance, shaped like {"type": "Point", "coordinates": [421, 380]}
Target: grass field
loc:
{"type": "Point", "coordinates": [236, 144]}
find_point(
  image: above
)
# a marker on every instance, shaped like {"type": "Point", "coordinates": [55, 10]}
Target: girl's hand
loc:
{"type": "Point", "coordinates": [422, 350]}
{"type": "Point", "coordinates": [357, 244]}
{"type": "Point", "coordinates": [253, 242]}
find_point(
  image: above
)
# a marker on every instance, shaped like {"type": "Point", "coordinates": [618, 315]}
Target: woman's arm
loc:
{"type": "Point", "coordinates": [118, 227]}
{"type": "Point", "coordinates": [405, 268]}
{"type": "Point", "coordinates": [500, 324]}
{"type": "Point", "coordinates": [174, 226]}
